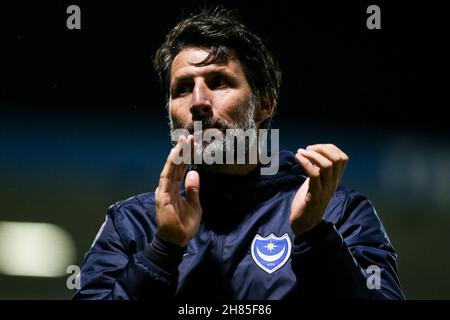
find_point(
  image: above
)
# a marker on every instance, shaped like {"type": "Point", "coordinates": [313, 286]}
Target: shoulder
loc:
{"type": "Point", "coordinates": [356, 218]}
{"type": "Point", "coordinates": [347, 202]}
{"type": "Point", "coordinates": [137, 202]}
{"type": "Point", "coordinates": [134, 218]}
{"type": "Point", "coordinates": [343, 193]}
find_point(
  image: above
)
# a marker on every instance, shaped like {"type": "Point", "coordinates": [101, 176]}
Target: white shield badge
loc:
{"type": "Point", "coordinates": [272, 252]}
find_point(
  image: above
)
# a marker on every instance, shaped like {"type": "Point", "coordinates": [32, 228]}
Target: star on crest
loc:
{"type": "Point", "coordinates": [270, 246]}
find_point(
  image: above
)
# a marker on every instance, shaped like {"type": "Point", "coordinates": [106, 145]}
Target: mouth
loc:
{"type": "Point", "coordinates": [211, 130]}
{"type": "Point", "coordinates": [209, 124]}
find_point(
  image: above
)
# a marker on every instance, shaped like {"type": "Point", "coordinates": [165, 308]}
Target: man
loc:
{"type": "Point", "coordinates": [226, 231]}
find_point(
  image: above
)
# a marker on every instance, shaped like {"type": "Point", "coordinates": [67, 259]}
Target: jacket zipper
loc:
{"type": "Point", "coordinates": [219, 255]}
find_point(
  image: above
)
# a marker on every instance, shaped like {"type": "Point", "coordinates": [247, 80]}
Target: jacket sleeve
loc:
{"type": "Point", "coordinates": [114, 270]}
{"type": "Point", "coordinates": [350, 257]}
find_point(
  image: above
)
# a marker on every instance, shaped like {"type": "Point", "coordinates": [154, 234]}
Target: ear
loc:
{"type": "Point", "coordinates": [265, 108]}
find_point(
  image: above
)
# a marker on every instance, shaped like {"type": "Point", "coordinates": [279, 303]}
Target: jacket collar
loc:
{"type": "Point", "coordinates": [226, 199]}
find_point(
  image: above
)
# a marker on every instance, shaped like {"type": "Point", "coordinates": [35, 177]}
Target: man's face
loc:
{"type": "Point", "coordinates": [219, 95]}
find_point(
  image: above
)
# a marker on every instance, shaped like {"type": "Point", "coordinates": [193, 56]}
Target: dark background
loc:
{"type": "Point", "coordinates": [83, 123]}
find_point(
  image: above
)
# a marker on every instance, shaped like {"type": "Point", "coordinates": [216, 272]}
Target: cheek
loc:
{"type": "Point", "coordinates": [237, 107]}
{"type": "Point", "coordinates": [180, 114]}
{"type": "Point", "coordinates": [176, 116]}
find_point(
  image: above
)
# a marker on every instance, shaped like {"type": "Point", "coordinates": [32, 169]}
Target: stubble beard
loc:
{"type": "Point", "coordinates": [226, 143]}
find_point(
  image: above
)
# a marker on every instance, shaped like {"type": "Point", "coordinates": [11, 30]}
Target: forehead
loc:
{"type": "Point", "coordinates": [183, 65]}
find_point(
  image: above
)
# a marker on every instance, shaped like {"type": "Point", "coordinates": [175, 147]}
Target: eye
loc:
{"type": "Point", "coordinates": [218, 82]}
{"type": "Point", "coordinates": [183, 88]}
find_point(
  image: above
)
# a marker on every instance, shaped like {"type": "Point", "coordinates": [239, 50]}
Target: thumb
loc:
{"type": "Point", "coordinates": [192, 185]}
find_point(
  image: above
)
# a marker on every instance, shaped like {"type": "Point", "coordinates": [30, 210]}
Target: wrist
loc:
{"type": "Point", "coordinates": [172, 237]}
{"type": "Point", "coordinates": [164, 254]}
{"type": "Point", "coordinates": [303, 227]}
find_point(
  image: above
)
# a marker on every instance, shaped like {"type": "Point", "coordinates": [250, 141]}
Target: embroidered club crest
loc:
{"type": "Point", "coordinates": [272, 252]}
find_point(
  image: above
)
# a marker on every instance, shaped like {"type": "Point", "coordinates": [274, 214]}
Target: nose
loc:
{"type": "Point", "coordinates": [201, 107]}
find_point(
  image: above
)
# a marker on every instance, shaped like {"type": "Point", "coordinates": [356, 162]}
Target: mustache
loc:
{"type": "Point", "coordinates": [211, 123]}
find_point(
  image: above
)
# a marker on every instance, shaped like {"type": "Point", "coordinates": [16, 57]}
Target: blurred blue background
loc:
{"type": "Point", "coordinates": [83, 124]}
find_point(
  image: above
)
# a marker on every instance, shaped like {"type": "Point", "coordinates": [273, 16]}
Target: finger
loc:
{"type": "Point", "coordinates": [333, 153]}
{"type": "Point", "coordinates": [192, 185]}
{"type": "Point", "coordinates": [166, 177]}
{"type": "Point", "coordinates": [156, 193]}
{"type": "Point", "coordinates": [180, 170]}
{"type": "Point", "coordinates": [181, 163]}
{"type": "Point", "coordinates": [325, 165]}
{"type": "Point", "coordinates": [193, 146]}
{"type": "Point", "coordinates": [330, 151]}
{"type": "Point", "coordinates": [315, 185]}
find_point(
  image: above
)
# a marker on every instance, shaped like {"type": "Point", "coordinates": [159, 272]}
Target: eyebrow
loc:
{"type": "Point", "coordinates": [215, 71]}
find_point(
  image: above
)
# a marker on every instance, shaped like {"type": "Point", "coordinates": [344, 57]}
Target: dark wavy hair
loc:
{"type": "Point", "coordinates": [220, 32]}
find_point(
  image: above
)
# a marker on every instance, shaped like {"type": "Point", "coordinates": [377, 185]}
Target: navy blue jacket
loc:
{"type": "Point", "coordinates": [245, 248]}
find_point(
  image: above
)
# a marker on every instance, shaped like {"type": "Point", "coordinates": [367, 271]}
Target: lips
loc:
{"type": "Point", "coordinates": [221, 130]}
